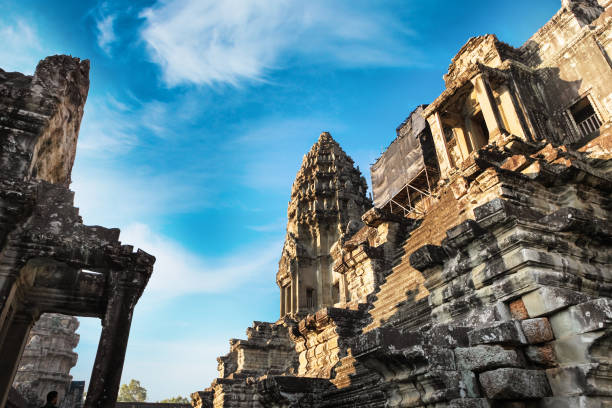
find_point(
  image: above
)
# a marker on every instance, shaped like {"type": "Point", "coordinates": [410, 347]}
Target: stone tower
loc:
{"type": "Point", "coordinates": [328, 198]}
{"type": "Point", "coordinates": [48, 357]}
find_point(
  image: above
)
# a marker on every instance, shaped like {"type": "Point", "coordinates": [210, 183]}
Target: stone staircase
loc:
{"type": "Point", "coordinates": [403, 287]}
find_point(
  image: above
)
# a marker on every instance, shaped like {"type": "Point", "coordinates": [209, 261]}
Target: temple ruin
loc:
{"type": "Point", "coordinates": [482, 275]}
{"type": "Point", "coordinates": [50, 262]}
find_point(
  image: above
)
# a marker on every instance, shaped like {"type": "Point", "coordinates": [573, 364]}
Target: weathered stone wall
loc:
{"type": "Point", "coordinates": [50, 262]}
{"type": "Point", "coordinates": [41, 118]}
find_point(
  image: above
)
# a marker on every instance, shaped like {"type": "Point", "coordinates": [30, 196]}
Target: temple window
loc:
{"type": "Point", "coordinates": [310, 298]}
{"type": "Point", "coordinates": [336, 293]}
{"type": "Point", "coordinates": [585, 117]}
{"type": "Point", "coordinates": [480, 132]}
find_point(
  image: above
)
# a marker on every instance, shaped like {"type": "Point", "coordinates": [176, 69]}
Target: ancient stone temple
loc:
{"type": "Point", "coordinates": [482, 277]}
{"type": "Point", "coordinates": [47, 359]}
{"type": "Point", "coordinates": [328, 196]}
{"type": "Point", "coordinates": [50, 262]}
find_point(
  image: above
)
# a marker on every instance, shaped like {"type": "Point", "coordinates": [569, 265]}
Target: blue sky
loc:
{"type": "Point", "coordinates": [198, 115]}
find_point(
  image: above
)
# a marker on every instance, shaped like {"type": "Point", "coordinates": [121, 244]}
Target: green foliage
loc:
{"type": "Point", "coordinates": [176, 400]}
{"type": "Point", "coordinates": [132, 392]}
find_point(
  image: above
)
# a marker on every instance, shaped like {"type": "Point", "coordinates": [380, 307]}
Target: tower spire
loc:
{"type": "Point", "coordinates": [328, 193]}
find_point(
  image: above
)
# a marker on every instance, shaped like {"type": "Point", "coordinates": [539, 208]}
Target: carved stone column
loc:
{"type": "Point", "coordinates": [437, 131]}
{"type": "Point", "coordinates": [106, 373]}
{"type": "Point", "coordinates": [11, 350]}
{"type": "Point", "coordinates": [489, 108]}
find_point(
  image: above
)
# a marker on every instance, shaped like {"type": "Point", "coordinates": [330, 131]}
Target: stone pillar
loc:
{"type": "Point", "coordinates": [462, 140]}
{"type": "Point", "coordinates": [516, 113]}
{"type": "Point", "coordinates": [437, 131]}
{"type": "Point", "coordinates": [106, 373]}
{"type": "Point", "coordinates": [288, 298]}
{"type": "Point", "coordinates": [282, 301]}
{"type": "Point", "coordinates": [11, 350]}
{"type": "Point", "coordinates": [489, 108]}
{"type": "Point", "coordinates": [295, 295]}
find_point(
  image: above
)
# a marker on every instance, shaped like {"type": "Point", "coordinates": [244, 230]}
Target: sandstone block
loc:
{"type": "Point", "coordinates": [537, 330]}
{"type": "Point", "coordinates": [515, 163]}
{"type": "Point", "coordinates": [514, 383]}
{"type": "Point", "coordinates": [444, 335]}
{"type": "Point", "coordinates": [427, 257]}
{"type": "Point", "coordinates": [533, 170]}
{"type": "Point", "coordinates": [582, 318]}
{"type": "Point", "coordinates": [482, 358]}
{"type": "Point", "coordinates": [438, 386]}
{"type": "Point", "coordinates": [518, 310]}
{"type": "Point", "coordinates": [547, 300]}
{"type": "Point", "coordinates": [542, 355]}
{"type": "Point", "coordinates": [509, 333]}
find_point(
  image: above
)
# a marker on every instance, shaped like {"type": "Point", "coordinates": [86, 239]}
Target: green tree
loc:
{"type": "Point", "coordinates": [176, 400]}
{"type": "Point", "coordinates": [132, 392]}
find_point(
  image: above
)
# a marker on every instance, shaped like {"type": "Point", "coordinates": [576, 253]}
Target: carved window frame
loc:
{"type": "Point", "coordinates": [569, 117]}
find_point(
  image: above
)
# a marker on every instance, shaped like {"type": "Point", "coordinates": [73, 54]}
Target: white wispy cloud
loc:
{"type": "Point", "coordinates": [209, 42]}
{"type": "Point", "coordinates": [179, 271]}
{"type": "Point", "coordinates": [20, 48]}
{"type": "Point", "coordinates": [117, 197]}
{"type": "Point", "coordinates": [113, 126]}
{"type": "Point", "coordinates": [106, 32]}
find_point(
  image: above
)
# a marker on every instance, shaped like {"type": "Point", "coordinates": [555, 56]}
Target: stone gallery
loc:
{"type": "Point", "coordinates": [478, 275]}
{"type": "Point", "coordinates": [50, 263]}
{"type": "Point", "coordinates": [481, 273]}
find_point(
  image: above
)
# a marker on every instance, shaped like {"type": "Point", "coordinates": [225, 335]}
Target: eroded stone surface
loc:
{"type": "Point", "coordinates": [514, 383]}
